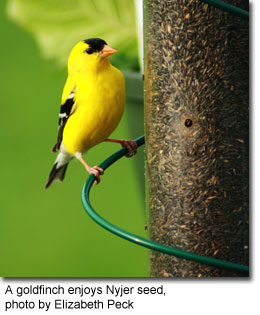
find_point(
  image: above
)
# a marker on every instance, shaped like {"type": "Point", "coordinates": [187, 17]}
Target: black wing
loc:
{"type": "Point", "coordinates": [65, 111]}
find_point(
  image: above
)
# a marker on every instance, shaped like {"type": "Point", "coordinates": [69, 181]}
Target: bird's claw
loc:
{"type": "Point", "coordinates": [96, 171]}
{"type": "Point", "coordinates": [131, 147]}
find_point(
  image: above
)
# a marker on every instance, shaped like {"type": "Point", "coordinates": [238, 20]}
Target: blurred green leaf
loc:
{"type": "Point", "coordinates": [58, 25]}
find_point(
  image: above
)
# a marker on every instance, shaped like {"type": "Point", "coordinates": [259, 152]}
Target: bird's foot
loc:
{"type": "Point", "coordinates": [129, 144]}
{"type": "Point", "coordinates": [131, 147]}
{"type": "Point", "coordinates": [96, 171]}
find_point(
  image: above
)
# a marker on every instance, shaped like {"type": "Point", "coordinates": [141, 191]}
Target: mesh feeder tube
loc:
{"type": "Point", "coordinates": [196, 120]}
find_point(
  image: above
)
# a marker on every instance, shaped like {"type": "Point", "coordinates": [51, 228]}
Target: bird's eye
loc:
{"type": "Point", "coordinates": [89, 51]}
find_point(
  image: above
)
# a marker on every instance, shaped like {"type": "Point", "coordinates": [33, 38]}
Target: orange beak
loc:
{"type": "Point", "coordinates": [107, 51]}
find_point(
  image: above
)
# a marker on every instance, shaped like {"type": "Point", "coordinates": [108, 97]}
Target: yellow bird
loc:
{"type": "Point", "coordinates": [93, 102]}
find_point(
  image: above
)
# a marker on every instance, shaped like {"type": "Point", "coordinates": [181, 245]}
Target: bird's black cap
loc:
{"type": "Point", "coordinates": [96, 44]}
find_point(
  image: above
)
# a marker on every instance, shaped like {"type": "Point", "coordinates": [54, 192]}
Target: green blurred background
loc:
{"type": "Point", "coordinates": [46, 233]}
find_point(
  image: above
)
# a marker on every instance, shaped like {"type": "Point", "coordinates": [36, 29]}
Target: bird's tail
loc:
{"type": "Point", "coordinates": [59, 169]}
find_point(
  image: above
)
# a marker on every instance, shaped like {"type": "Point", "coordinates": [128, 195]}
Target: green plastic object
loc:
{"type": "Point", "coordinates": [140, 240]}
{"type": "Point", "coordinates": [228, 8]}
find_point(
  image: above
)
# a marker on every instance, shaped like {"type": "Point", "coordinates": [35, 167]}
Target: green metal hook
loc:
{"type": "Point", "coordinates": [140, 240]}
{"type": "Point", "coordinates": [228, 8]}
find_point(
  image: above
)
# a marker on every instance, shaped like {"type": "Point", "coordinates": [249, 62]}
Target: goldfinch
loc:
{"type": "Point", "coordinates": [93, 102]}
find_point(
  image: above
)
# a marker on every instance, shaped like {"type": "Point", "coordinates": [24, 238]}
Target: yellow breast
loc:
{"type": "Point", "coordinates": [100, 101]}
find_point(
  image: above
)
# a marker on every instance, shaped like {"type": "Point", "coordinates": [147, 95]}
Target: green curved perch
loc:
{"type": "Point", "coordinates": [140, 240]}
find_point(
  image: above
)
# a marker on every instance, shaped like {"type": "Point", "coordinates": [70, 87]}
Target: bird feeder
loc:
{"type": "Point", "coordinates": [196, 120]}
